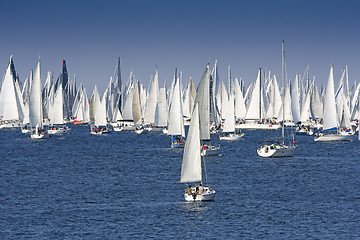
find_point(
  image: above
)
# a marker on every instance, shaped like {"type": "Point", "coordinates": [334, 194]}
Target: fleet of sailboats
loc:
{"type": "Point", "coordinates": [211, 108]}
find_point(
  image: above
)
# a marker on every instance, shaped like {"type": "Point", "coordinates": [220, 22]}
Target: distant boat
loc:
{"type": "Point", "coordinates": [56, 114]}
{"type": "Point", "coordinates": [255, 115]}
{"type": "Point", "coordinates": [11, 104]}
{"type": "Point", "coordinates": [176, 128]}
{"type": "Point", "coordinates": [228, 132]}
{"type": "Point", "coordinates": [203, 100]}
{"type": "Point", "coordinates": [35, 106]}
{"type": "Point", "coordinates": [331, 130]}
{"type": "Point", "coordinates": [276, 148]}
{"type": "Point", "coordinates": [191, 169]}
{"type": "Point", "coordinates": [98, 123]}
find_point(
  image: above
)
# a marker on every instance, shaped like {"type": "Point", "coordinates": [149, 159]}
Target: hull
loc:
{"type": "Point", "coordinates": [158, 129]}
{"type": "Point", "coordinates": [128, 128]}
{"type": "Point", "coordinates": [100, 132]}
{"type": "Point", "coordinates": [231, 137]}
{"type": "Point", "coordinates": [58, 131]}
{"type": "Point", "coordinates": [117, 129]}
{"type": "Point", "coordinates": [39, 136]}
{"type": "Point", "coordinates": [79, 123]}
{"type": "Point", "coordinates": [210, 150]}
{"type": "Point", "coordinates": [10, 125]}
{"type": "Point", "coordinates": [258, 126]}
{"type": "Point", "coordinates": [25, 130]}
{"type": "Point", "coordinates": [268, 151]}
{"type": "Point", "coordinates": [207, 195]}
{"type": "Point", "coordinates": [333, 137]}
{"type": "Point", "coordinates": [178, 145]}
{"type": "Point", "coordinates": [139, 131]}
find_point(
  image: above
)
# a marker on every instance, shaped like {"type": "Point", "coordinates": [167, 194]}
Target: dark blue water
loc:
{"type": "Point", "coordinates": [125, 185]}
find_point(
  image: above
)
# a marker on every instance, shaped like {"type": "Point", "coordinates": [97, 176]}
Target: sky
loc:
{"type": "Point", "coordinates": [91, 35]}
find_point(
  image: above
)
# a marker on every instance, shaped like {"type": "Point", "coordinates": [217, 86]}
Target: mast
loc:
{"type": "Point", "coordinates": [119, 85]}
{"type": "Point", "coordinates": [260, 96]}
{"type": "Point", "coordinates": [282, 80]}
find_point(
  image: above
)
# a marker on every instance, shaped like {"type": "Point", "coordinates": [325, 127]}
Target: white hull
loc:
{"type": "Point", "coordinates": [333, 137]}
{"type": "Point", "coordinates": [231, 137]}
{"type": "Point", "coordinates": [267, 151]}
{"type": "Point", "coordinates": [25, 130]}
{"type": "Point", "coordinates": [207, 195]}
{"type": "Point", "coordinates": [117, 129]}
{"type": "Point", "coordinates": [148, 129]}
{"type": "Point", "coordinates": [58, 131]}
{"type": "Point", "coordinates": [158, 129]}
{"type": "Point", "coordinates": [257, 126]}
{"type": "Point", "coordinates": [128, 128]}
{"type": "Point", "coordinates": [100, 132]}
{"type": "Point", "coordinates": [139, 131]}
{"type": "Point", "coordinates": [10, 125]}
{"type": "Point", "coordinates": [38, 136]}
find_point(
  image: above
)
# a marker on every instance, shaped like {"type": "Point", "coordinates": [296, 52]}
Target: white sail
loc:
{"type": "Point", "coordinates": [136, 108]}
{"type": "Point", "coordinates": [256, 106]}
{"type": "Point", "coordinates": [295, 99]}
{"type": "Point", "coordinates": [127, 110]}
{"type": "Point", "coordinates": [229, 124]}
{"type": "Point", "coordinates": [240, 108]}
{"type": "Point", "coordinates": [97, 109]}
{"type": "Point", "coordinates": [287, 106]}
{"type": "Point", "coordinates": [186, 101]}
{"type": "Point", "coordinates": [191, 164]}
{"type": "Point", "coordinates": [35, 104]}
{"type": "Point", "coordinates": [224, 100]}
{"type": "Point", "coordinates": [203, 99]}
{"type": "Point", "coordinates": [19, 102]}
{"type": "Point", "coordinates": [275, 101]}
{"type": "Point", "coordinates": [100, 119]}
{"type": "Point", "coordinates": [149, 116]}
{"type": "Point", "coordinates": [330, 116]}
{"type": "Point", "coordinates": [176, 120]}
{"type": "Point", "coordinates": [56, 113]}
{"type": "Point", "coordinates": [305, 114]}
{"type": "Point", "coordinates": [316, 104]}
{"type": "Point", "coordinates": [8, 101]}
{"type": "Point", "coordinates": [162, 109]}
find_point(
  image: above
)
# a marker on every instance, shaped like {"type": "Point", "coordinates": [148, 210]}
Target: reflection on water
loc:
{"type": "Point", "coordinates": [194, 206]}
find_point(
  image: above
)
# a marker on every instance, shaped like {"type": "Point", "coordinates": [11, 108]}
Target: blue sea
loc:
{"type": "Point", "coordinates": [125, 186]}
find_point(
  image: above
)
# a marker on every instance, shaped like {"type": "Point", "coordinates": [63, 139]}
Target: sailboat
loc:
{"type": "Point", "coordinates": [229, 132]}
{"type": "Point", "coordinates": [255, 115]}
{"type": "Point", "coordinates": [176, 128]}
{"type": "Point", "coordinates": [56, 113]}
{"type": "Point", "coordinates": [151, 103]}
{"type": "Point", "coordinates": [191, 169]}
{"type": "Point", "coordinates": [11, 105]}
{"type": "Point", "coordinates": [35, 107]}
{"type": "Point", "coordinates": [98, 123]}
{"type": "Point", "coordinates": [203, 99]}
{"type": "Point", "coordinates": [331, 131]}
{"type": "Point", "coordinates": [275, 148]}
